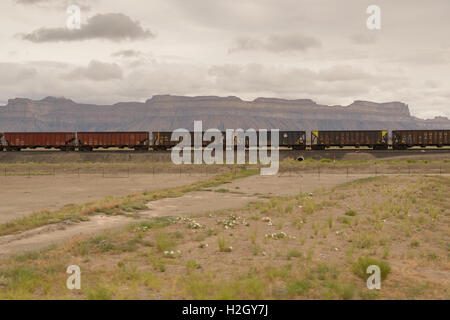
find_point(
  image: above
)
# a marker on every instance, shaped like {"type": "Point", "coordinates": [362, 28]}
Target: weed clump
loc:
{"type": "Point", "coordinates": [359, 268]}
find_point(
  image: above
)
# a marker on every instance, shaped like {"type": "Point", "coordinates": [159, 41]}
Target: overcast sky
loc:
{"type": "Point", "coordinates": [130, 50]}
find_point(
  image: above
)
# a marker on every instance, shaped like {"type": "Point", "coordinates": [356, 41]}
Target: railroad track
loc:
{"type": "Point", "coordinates": [308, 151]}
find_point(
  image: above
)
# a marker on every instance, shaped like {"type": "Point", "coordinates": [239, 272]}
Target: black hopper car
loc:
{"type": "Point", "coordinates": [404, 139]}
{"type": "Point", "coordinates": [375, 139]}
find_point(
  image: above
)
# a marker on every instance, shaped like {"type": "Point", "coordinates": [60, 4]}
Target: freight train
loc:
{"type": "Point", "coordinates": [161, 140]}
{"type": "Point", "coordinates": [142, 140]}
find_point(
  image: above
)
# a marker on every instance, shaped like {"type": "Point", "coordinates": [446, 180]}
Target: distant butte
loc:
{"type": "Point", "coordinates": [169, 112]}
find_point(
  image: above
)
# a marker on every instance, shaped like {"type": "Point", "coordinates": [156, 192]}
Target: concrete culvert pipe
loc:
{"type": "Point", "coordinates": [301, 158]}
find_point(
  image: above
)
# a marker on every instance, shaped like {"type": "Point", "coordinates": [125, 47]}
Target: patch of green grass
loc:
{"type": "Point", "coordinates": [102, 243]}
{"type": "Point", "coordinates": [211, 232]}
{"type": "Point", "coordinates": [350, 213]}
{"type": "Point", "coordinates": [223, 245]}
{"type": "Point", "coordinates": [99, 293]}
{"type": "Point", "coordinates": [415, 244]}
{"type": "Point", "coordinates": [432, 256]}
{"type": "Point", "coordinates": [21, 279]}
{"type": "Point", "coordinates": [310, 206]}
{"type": "Point", "coordinates": [256, 249]}
{"type": "Point", "coordinates": [345, 220]}
{"type": "Point", "coordinates": [250, 287]}
{"type": "Point", "coordinates": [178, 235]}
{"type": "Point", "coordinates": [325, 271]}
{"type": "Point", "coordinates": [346, 291]}
{"type": "Point", "coordinates": [294, 254]}
{"type": "Point", "coordinates": [33, 255]}
{"type": "Point", "coordinates": [164, 242]}
{"type": "Point", "coordinates": [359, 268]}
{"type": "Point", "coordinates": [364, 241]}
{"type": "Point", "coordinates": [298, 287]}
{"type": "Point", "coordinates": [369, 294]}
{"type": "Point", "coordinates": [156, 222]}
{"type": "Point", "coordinates": [191, 264]}
{"type": "Point", "coordinates": [415, 290]}
{"type": "Point", "coordinates": [198, 286]}
{"type": "Point", "coordinates": [330, 222]}
{"type": "Point", "coordinates": [282, 272]}
{"type": "Point", "coordinates": [289, 207]}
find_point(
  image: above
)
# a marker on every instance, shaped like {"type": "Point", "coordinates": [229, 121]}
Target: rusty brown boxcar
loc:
{"type": "Point", "coordinates": [403, 139]}
{"type": "Point", "coordinates": [134, 140]}
{"type": "Point", "coordinates": [375, 139]}
{"type": "Point", "coordinates": [15, 141]}
{"type": "Point", "coordinates": [161, 140]}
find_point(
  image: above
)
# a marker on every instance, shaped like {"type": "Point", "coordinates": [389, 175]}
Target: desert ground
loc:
{"type": "Point", "coordinates": [308, 232]}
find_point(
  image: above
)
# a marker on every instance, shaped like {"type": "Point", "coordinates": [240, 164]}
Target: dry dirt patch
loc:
{"type": "Point", "coordinates": [22, 195]}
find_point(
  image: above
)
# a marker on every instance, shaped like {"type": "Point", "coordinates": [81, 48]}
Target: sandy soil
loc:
{"type": "Point", "coordinates": [227, 196]}
{"type": "Point", "coordinates": [22, 195]}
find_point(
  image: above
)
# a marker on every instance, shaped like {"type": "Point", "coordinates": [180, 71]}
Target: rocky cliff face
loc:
{"type": "Point", "coordinates": [167, 112]}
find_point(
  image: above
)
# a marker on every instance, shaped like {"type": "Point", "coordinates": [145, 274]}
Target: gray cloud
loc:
{"type": "Point", "coordinates": [256, 79]}
{"type": "Point", "coordinates": [96, 71]}
{"type": "Point", "coordinates": [425, 57]}
{"type": "Point", "coordinates": [364, 38]}
{"type": "Point", "coordinates": [276, 43]}
{"type": "Point", "coordinates": [13, 73]}
{"type": "Point", "coordinates": [290, 75]}
{"type": "Point", "coordinates": [432, 84]}
{"type": "Point", "coordinates": [342, 73]}
{"type": "Point", "coordinates": [111, 26]}
{"type": "Point", "coordinates": [127, 53]}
